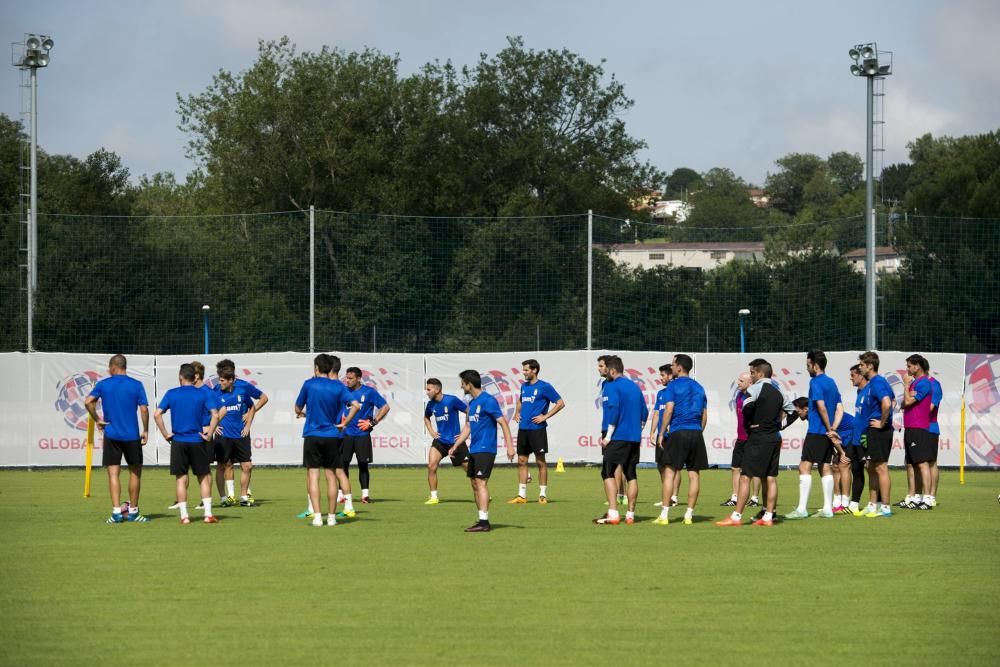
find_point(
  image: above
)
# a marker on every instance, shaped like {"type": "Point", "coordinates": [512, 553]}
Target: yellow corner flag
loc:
{"type": "Point", "coordinates": [559, 466]}
{"type": "Point", "coordinates": [89, 461]}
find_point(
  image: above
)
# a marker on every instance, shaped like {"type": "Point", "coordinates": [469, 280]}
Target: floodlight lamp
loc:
{"type": "Point", "coordinates": [32, 43]}
{"type": "Point", "coordinates": [856, 71]}
{"type": "Point", "coordinates": [854, 53]}
{"type": "Point", "coordinates": [744, 312]}
{"type": "Point", "coordinates": [47, 43]}
{"type": "Point", "coordinates": [867, 52]}
{"type": "Point", "coordinates": [43, 60]}
{"type": "Point", "coordinates": [885, 70]}
{"type": "Point", "coordinates": [871, 67]}
{"type": "Point", "coordinates": [30, 61]}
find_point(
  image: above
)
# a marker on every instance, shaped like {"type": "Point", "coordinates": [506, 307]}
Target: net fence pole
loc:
{"type": "Point", "coordinates": [312, 278]}
{"type": "Point", "coordinates": [590, 277]}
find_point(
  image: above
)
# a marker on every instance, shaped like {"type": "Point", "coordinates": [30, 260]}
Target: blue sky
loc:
{"type": "Point", "coordinates": [716, 83]}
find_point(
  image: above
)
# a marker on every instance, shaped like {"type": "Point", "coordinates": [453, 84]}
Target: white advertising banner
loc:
{"type": "Point", "coordinates": [43, 420]}
{"type": "Point", "coordinates": [276, 435]}
{"type": "Point", "coordinates": [44, 401]}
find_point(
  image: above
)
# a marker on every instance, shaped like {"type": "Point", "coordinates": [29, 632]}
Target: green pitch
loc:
{"type": "Point", "coordinates": [402, 584]}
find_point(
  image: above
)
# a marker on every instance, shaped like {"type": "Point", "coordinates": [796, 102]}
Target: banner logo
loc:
{"type": "Point", "coordinates": [71, 393]}
{"type": "Point", "coordinates": [503, 388]}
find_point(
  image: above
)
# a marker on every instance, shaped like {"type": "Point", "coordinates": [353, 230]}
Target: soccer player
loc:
{"type": "Point", "coordinates": [763, 411]}
{"type": "Point", "coordinates": [742, 384]}
{"type": "Point", "coordinates": [441, 418]}
{"type": "Point", "coordinates": [875, 416]}
{"type": "Point", "coordinates": [357, 435]}
{"type": "Point", "coordinates": [483, 417]}
{"type": "Point", "coordinates": [602, 370]}
{"type": "Point", "coordinates": [319, 402]}
{"type": "Point", "coordinates": [255, 400]}
{"type": "Point", "coordinates": [937, 394]}
{"type": "Point", "coordinates": [626, 414]}
{"type": "Point", "coordinates": [919, 442]}
{"type": "Point", "coordinates": [826, 409]}
{"type": "Point", "coordinates": [686, 413]}
{"type": "Point", "coordinates": [188, 438]}
{"type": "Point", "coordinates": [536, 404]}
{"type": "Point", "coordinates": [120, 397]}
{"type": "Point", "coordinates": [659, 403]}
{"type": "Point", "coordinates": [844, 438]}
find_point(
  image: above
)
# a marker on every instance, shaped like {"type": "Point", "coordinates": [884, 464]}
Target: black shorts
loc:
{"type": "Point", "coordinates": [760, 456]}
{"type": "Point", "coordinates": [854, 452]}
{"type": "Point", "coordinates": [356, 445]}
{"type": "Point", "coordinates": [921, 445]}
{"type": "Point", "coordinates": [620, 453]}
{"type": "Point", "coordinates": [194, 455]}
{"type": "Point", "coordinates": [533, 441]}
{"type": "Point", "coordinates": [817, 448]}
{"type": "Point", "coordinates": [661, 454]}
{"type": "Point", "coordinates": [232, 450]}
{"type": "Point", "coordinates": [461, 452]}
{"type": "Point", "coordinates": [115, 449]}
{"type": "Point", "coordinates": [877, 444]}
{"type": "Point", "coordinates": [321, 452]}
{"type": "Point", "coordinates": [687, 449]}
{"type": "Point", "coordinates": [481, 465]}
{"type": "Point", "coordinates": [738, 453]}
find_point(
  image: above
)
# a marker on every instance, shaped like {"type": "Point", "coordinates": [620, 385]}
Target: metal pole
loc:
{"type": "Point", "coordinates": [743, 340]}
{"type": "Point", "coordinates": [32, 277]}
{"type": "Point", "coordinates": [538, 337]}
{"type": "Point", "coordinates": [312, 278]}
{"type": "Point", "coordinates": [590, 278]}
{"type": "Point", "coordinates": [870, 342]}
{"type": "Point", "coordinates": [374, 333]}
{"type": "Point", "coordinates": [204, 313]}
{"type": "Point", "coordinates": [706, 338]}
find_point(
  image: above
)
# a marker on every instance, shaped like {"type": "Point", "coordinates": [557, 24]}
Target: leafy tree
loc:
{"type": "Point", "coordinates": [787, 186]}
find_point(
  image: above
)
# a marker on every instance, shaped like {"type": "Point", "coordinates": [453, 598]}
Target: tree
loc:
{"type": "Point", "coordinates": [680, 181]}
{"type": "Point", "coordinates": [787, 186]}
{"type": "Point", "coordinates": [723, 204]}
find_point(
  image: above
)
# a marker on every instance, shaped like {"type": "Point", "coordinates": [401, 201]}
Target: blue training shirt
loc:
{"type": "Point", "coordinates": [370, 400]}
{"type": "Point", "coordinates": [848, 434]}
{"type": "Point", "coordinates": [444, 414]}
{"type": "Point", "coordinates": [120, 397]}
{"type": "Point", "coordinates": [937, 395]}
{"type": "Point", "coordinates": [322, 399]}
{"type": "Point", "coordinates": [212, 404]}
{"type": "Point", "coordinates": [186, 405]}
{"type": "Point", "coordinates": [607, 389]}
{"type": "Point", "coordinates": [876, 389]}
{"type": "Point", "coordinates": [535, 400]}
{"type": "Point", "coordinates": [627, 410]}
{"type": "Point", "coordinates": [659, 405]}
{"type": "Point", "coordinates": [484, 413]}
{"type": "Point", "coordinates": [689, 402]}
{"type": "Point", "coordinates": [234, 404]}
{"type": "Point", "coordinates": [822, 388]}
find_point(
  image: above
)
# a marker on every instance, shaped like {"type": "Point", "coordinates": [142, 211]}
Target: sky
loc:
{"type": "Point", "coordinates": [716, 83]}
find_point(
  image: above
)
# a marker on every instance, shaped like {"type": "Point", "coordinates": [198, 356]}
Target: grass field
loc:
{"type": "Point", "coordinates": [402, 584]}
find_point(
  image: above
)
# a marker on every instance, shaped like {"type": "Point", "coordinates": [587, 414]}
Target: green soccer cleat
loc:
{"type": "Point", "coordinates": [661, 521]}
{"type": "Point", "coordinates": [228, 501]}
{"type": "Point", "coordinates": [432, 501]}
{"type": "Point", "coordinates": [346, 515]}
{"type": "Point", "coordinates": [304, 515]}
{"type": "Point", "coordinates": [795, 514]}
{"type": "Point", "coordinates": [821, 514]}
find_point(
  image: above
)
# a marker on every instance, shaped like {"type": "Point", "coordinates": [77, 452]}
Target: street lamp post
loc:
{"type": "Point", "coordinates": [866, 64]}
{"type": "Point", "coordinates": [744, 312]}
{"type": "Point", "coordinates": [204, 315]}
{"type": "Point", "coordinates": [35, 54]}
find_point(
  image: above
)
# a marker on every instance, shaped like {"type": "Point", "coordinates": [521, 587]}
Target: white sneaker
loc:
{"type": "Point", "coordinates": [174, 506]}
{"type": "Point", "coordinates": [331, 520]}
{"type": "Point", "coordinates": [317, 520]}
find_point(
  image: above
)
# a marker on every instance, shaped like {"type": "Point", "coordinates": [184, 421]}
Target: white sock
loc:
{"type": "Point", "coordinates": [853, 506]}
{"type": "Point", "coordinates": [689, 513]}
{"type": "Point", "coordinates": [805, 486]}
{"type": "Point", "coordinates": [522, 490]}
{"type": "Point", "coordinates": [348, 503]}
{"type": "Point", "coordinates": [133, 509]}
{"type": "Point", "coordinates": [364, 493]}
{"type": "Point", "coordinates": [612, 514]}
{"type": "Point", "coordinates": [827, 483]}
{"type": "Point", "coordinates": [331, 519]}
{"type": "Point", "coordinates": [884, 508]}
{"type": "Point", "coordinates": [734, 497]}
{"type": "Point", "coordinates": [736, 516]}
{"type": "Point", "coordinates": [665, 512]}
{"type": "Point", "coordinates": [629, 515]}
{"type": "Point", "coordinates": [754, 499]}
{"type": "Point", "coordinates": [484, 516]}
{"type": "Point", "coordinates": [340, 496]}
{"type": "Point", "coordinates": [116, 510]}
{"type": "Point", "coordinates": [183, 507]}
{"type": "Point", "coordinates": [434, 494]}
{"type": "Point", "coordinates": [918, 498]}
{"type": "Point", "coordinates": [243, 498]}
{"type": "Point", "coordinates": [208, 505]}
{"type": "Point", "coordinates": [230, 487]}
{"type": "Point", "coordinates": [768, 516]}
{"type": "Point", "coordinates": [673, 499]}
{"type": "Point", "coordinates": [310, 507]}
{"type": "Point", "coordinates": [838, 500]}
{"type": "Point", "coordinates": [542, 490]}
{"type": "Point", "coordinates": [929, 500]}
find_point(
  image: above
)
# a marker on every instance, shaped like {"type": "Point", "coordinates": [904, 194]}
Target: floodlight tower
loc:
{"type": "Point", "coordinates": [33, 54]}
{"type": "Point", "coordinates": [866, 64]}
